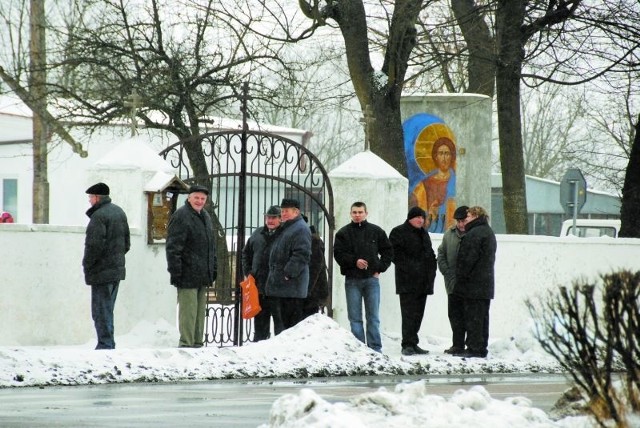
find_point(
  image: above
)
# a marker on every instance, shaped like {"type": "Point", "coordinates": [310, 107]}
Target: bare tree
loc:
{"type": "Point", "coordinates": [377, 88]}
{"type": "Point", "coordinates": [553, 127]}
{"type": "Point", "coordinates": [29, 84]}
{"type": "Point", "coordinates": [631, 191]}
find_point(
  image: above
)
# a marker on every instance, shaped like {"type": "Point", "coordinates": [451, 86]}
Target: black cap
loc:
{"type": "Point", "coordinates": [416, 212]}
{"type": "Point", "coordinates": [198, 188]}
{"type": "Point", "coordinates": [98, 189]}
{"type": "Point", "coordinates": [461, 212]}
{"type": "Point", "coordinates": [273, 211]}
{"type": "Point", "coordinates": [290, 203]}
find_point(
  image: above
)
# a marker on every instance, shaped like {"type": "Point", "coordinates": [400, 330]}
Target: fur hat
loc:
{"type": "Point", "coordinates": [273, 211]}
{"type": "Point", "coordinates": [416, 212]}
{"type": "Point", "coordinates": [198, 188]}
{"type": "Point", "coordinates": [461, 212]}
{"type": "Point", "coordinates": [98, 189]}
{"type": "Point", "coordinates": [290, 203]}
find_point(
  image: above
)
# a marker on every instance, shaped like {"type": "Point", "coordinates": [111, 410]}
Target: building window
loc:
{"type": "Point", "coordinates": [10, 197]}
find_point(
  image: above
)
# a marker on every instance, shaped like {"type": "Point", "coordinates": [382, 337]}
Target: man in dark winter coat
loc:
{"type": "Point", "coordinates": [191, 262]}
{"type": "Point", "coordinates": [475, 279]}
{"type": "Point", "coordinates": [106, 243]}
{"type": "Point", "coordinates": [415, 263]}
{"type": "Point", "coordinates": [447, 257]}
{"type": "Point", "coordinates": [363, 251]}
{"type": "Point", "coordinates": [255, 261]}
{"type": "Point", "coordinates": [288, 280]}
{"type": "Point", "coordinates": [318, 283]}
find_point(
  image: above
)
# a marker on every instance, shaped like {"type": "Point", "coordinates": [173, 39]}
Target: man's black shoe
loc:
{"type": "Point", "coordinates": [471, 354]}
{"type": "Point", "coordinates": [419, 350]}
{"type": "Point", "coordinates": [408, 351]}
{"type": "Point", "coordinates": [453, 350]}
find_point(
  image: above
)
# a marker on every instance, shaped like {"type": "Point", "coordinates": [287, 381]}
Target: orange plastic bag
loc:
{"type": "Point", "coordinates": [250, 301]}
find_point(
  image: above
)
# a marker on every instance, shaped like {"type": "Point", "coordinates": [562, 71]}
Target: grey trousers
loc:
{"type": "Point", "coordinates": [192, 304]}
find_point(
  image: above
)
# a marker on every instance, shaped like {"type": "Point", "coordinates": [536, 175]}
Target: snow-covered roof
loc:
{"type": "Point", "coordinates": [134, 153]}
{"type": "Point", "coordinates": [366, 164]}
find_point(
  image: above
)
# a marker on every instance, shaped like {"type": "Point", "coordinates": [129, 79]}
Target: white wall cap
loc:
{"type": "Point", "coordinates": [365, 164]}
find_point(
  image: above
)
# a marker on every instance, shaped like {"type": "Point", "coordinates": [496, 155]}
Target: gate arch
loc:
{"type": "Point", "coordinates": [248, 171]}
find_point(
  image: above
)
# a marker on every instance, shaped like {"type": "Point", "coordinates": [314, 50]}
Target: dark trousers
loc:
{"type": "Point", "coordinates": [412, 311]}
{"type": "Point", "coordinates": [476, 321]}
{"type": "Point", "coordinates": [103, 300]}
{"type": "Point", "coordinates": [262, 321]}
{"type": "Point", "coordinates": [310, 307]}
{"type": "Point", "coordinates": [286, 312]}
{"type": "Point", "coordinates": [455, 311]}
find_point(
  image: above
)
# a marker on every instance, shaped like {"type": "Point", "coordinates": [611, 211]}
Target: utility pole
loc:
{"type": "Point", "coordinates": [38, 96]}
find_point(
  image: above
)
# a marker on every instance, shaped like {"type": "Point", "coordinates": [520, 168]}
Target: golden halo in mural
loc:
{"type": "Point", "coordinates": [424, 144]}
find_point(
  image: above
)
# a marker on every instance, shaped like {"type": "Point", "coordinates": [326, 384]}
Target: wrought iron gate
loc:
{"type": "Point", "coordinates": [248, 171]}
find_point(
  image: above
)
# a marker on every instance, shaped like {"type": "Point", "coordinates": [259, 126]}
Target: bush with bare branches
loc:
{"type": "Point", "coordinates": [593, 331]}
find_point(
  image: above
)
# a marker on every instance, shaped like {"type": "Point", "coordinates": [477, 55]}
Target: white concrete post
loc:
{"type": "Point", "coordinates": [367, 178]}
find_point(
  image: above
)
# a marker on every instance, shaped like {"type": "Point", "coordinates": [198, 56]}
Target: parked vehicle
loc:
{"type": "Point", "coordinates": [591, 228]}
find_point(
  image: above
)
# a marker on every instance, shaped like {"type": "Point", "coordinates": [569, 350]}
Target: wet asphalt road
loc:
{"type": "Point", "coordinates": [228, 403]}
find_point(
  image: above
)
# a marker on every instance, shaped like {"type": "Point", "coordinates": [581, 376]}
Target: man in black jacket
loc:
{"type": "Point", "coordinates": [416, 267]}
{"type": "Point", "coordinates": [363, 251]}
{"type": "Point", "coordinates": [475, 279]}
{"type": "Point", "coordinates": [106, 243]}
{"type": "Point", "coordinates": [191, 262]}
{"type": "Point", "coordinates": [255, 261]}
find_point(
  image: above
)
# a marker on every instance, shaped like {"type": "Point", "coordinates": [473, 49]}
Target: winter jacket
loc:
{"type": "Point", "coordinates": [318, 284]}
{"type": "Point", "coordinates": [476, 260]}
{"type": "Point", "coordinates": [191, 248]}
{"type": "Point", "coordinates": [107, 241]}
{"type": "Point", "coordinates": [289, 260]}
{"type": "Point", "coordinates": [362, 241]}
{"type": "Point", "coordinates": [447, 256]}
{"type": "Point", "coordinates": [255, 256]}
{"type": "Point", "coordinates": [414, 259]}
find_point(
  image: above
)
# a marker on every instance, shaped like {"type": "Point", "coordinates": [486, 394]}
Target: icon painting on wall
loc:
{"type": "Point", "coordinates": [430, 152]}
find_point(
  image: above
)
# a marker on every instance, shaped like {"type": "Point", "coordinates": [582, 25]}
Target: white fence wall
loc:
{"type": "Point", "coordinates": [45, 300]}
{"type": "Point", "coordinates": [526, 267]}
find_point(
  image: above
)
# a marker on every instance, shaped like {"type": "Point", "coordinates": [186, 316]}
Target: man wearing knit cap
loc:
{"type": "Point", "coordinates": [415, 263]}
{"type": "Point", "coordinates": [191, 262]}
{"type": "Point", "coordinates": [447, 256]}
{"type": "Point", "coordinates": [288, 280]}
{"type": "Point", "coordinates": [106, 243]}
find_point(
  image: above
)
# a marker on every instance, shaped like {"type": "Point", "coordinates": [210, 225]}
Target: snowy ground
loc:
{"type": "Point", "coordinates": [316, 347]}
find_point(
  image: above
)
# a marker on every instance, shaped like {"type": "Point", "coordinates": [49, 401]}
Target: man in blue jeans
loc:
{"type": "Point", "coordinates": [363, 251]}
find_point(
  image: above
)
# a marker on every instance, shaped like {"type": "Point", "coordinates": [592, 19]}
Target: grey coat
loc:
{"type": "Point", "coordinates": [107, 241]}
{"type": "Point", "coordinates": [447, 256]}
{"type": "Point", "coordinates": [191, 248]}
{"type": "Point", "coordinates": [289, 260]}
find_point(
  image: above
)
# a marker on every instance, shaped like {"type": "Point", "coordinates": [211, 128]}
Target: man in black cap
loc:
{"type": "Point", "coordinates": [288, 280]}
{"type": "Point", "coordinates": [106, 243]}
{"type": "Point", "coordinates": [447, 256]}
{"type": "Point", "coordinates": [416, 268]}
{"type": "Point", "coordinates": [191, 262]}
{"type": "Point", "coordinates": [255, 261]}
